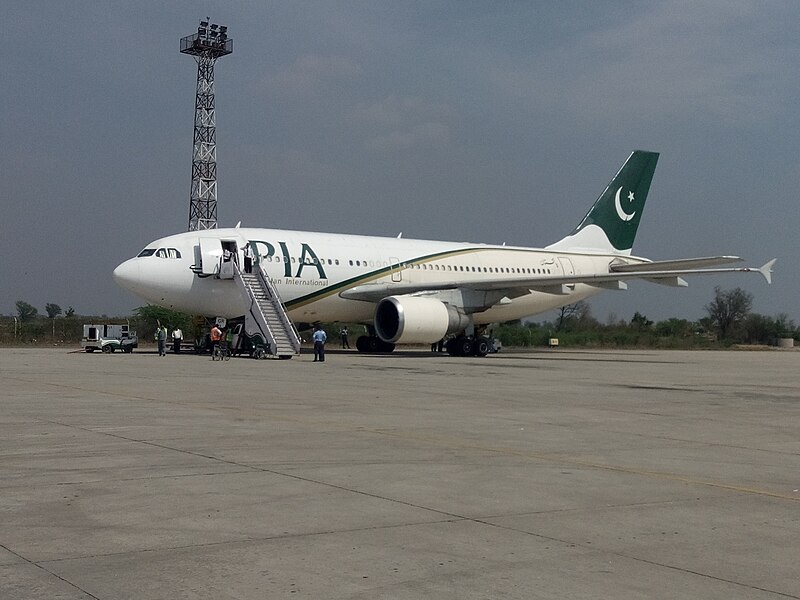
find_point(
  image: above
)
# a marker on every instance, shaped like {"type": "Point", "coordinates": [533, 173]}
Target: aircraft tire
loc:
{"type": "Point", "coordinates": [362, 343]}
{"type": "Point", "coordinates": [452, 346]}
{"type": "Point", "coordinates": [385, 347]}
{"type": "Point", "coordinates": [482, 346]}
{"type": "Point", "coordinates": [465, 346]}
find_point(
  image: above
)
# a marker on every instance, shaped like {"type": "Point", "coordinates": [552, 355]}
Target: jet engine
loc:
{"type": "Point", "coordinates": [416, 320]}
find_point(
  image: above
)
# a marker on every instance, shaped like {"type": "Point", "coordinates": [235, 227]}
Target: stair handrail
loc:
{"type": "Point", "coordinates": [254, 306]}
{"type": "Point", "coordinates": [288, 326]}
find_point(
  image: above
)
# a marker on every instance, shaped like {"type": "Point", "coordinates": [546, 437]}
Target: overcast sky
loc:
{"type": "Point", "coordinates": [456, 120]}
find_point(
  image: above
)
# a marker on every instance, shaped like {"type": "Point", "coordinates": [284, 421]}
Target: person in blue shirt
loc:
{"type": "Point", "coordinates": [319, 338]}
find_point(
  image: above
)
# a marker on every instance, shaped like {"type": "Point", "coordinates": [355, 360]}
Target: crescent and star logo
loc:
{"type": "Point", "coordinates": [620, 211]}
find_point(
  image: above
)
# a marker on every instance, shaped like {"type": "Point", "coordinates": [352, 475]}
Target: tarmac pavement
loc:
{"type": "Point", "coordinates": [550, 474]}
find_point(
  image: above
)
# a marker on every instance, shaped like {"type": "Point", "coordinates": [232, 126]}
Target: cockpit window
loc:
{"type": "Point", "coordinates": [168, 253]}
{"type": "Point", "coordinates": [146, 252]}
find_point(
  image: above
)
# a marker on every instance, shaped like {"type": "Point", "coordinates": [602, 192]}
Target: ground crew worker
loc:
{"type": "Point", "coordinates": [216, 336]}
{"type": "Point", "coordinates": [319, 338]}
{"type": "Point", "coordinates": [161, 337]}
{"type": "Point", "coordinates": [177, 338]}
{"type": "Point", "coordinates": [229, 340]}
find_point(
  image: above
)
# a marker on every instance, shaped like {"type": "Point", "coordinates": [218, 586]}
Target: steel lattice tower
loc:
{"type": "Point", "coordinates": [207, 45]}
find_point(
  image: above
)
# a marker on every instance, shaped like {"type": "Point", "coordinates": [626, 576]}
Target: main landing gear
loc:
{"type": "Point", "coordinates": [466, 345]}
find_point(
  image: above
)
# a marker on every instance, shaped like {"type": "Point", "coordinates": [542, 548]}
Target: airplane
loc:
{"type": "Point", "coordinates": [409, 291]}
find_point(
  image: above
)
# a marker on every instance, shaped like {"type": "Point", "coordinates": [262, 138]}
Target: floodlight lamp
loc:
{"type": "Point", "coordinates": [213, 26]}
{"type": "Point", "coordinates": [203, 23]}
{"type": "Point", "coordinates": [223, 29]}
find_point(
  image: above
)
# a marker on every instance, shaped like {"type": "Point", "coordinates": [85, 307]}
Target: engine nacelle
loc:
{"type": "Point", "coordinates": [416, 320]}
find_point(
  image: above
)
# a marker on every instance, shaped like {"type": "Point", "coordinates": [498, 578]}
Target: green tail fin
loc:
{"type": "Point", "coordinates": [611, 223]}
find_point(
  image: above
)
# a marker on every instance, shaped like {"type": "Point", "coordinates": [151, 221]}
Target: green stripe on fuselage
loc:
{"type": "Point", "coordinates": [373, 275]}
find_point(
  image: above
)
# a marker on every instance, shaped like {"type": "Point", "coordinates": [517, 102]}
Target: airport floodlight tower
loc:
{"type": "Point", "coordinates": [207, 45]}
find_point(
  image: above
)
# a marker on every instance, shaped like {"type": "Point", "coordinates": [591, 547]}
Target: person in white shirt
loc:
{"type": "Point", "coordinates": [177, 338]}
{"type": "Point", "coordinates": [248, 259]}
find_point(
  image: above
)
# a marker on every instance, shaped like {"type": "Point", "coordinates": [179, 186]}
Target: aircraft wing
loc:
{"type": "Point", "coordinates": [681, 263]}
{"type": "Point", "coordinates": [663, 272]}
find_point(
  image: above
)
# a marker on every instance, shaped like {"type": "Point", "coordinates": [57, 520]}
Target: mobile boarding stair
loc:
{"type": "Point", "coordinates": [265, 315]}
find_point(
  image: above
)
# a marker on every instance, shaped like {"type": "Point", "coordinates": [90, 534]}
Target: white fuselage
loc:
{"type": "Point", "coordinates": [310, 270]}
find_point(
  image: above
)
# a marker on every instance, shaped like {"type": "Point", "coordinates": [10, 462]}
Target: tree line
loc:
{"type": "Point", "coordinates": [729, 320]}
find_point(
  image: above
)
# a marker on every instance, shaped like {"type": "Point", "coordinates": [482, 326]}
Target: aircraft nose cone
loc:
{"type": "Point", "coordinates": [127, 275]}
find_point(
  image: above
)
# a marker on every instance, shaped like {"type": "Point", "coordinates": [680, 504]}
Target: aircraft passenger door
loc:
{"type": "Point", "coordinates": [567, 268]}
{"type": "Point", "coordinates": [397, 272]}
{"type": "Point", "coordinates": [210, 255]}
{"type": "Point", "coordinates": [230, 255]}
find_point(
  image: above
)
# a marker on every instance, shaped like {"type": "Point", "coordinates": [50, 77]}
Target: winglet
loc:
{"type": "Point", "coordinates": [766, 270]}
